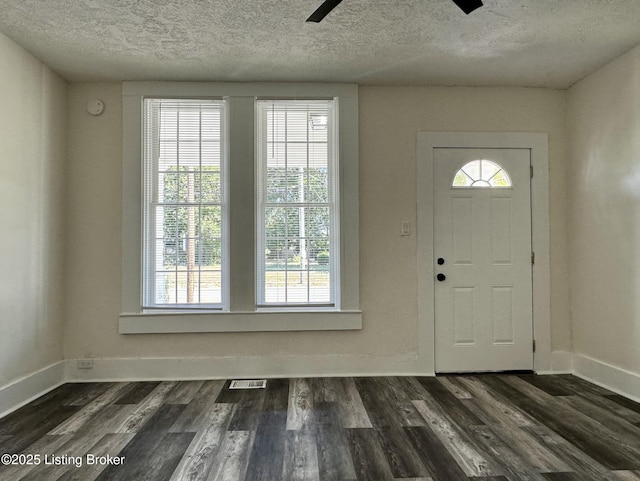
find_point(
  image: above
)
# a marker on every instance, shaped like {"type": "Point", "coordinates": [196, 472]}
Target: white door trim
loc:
{"type": "Point", "coordinates": [538, 144]}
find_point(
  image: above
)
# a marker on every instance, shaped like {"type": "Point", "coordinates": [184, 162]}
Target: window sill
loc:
{"type": "Point", "coordinates": [273, 321]}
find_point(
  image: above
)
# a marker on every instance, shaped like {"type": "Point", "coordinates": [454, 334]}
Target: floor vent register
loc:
{"type": "Point", "coordinates": [248, 384]}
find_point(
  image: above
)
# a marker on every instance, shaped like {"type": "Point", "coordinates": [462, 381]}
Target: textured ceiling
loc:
{"type": "Point", "coordinates": [547, 43]}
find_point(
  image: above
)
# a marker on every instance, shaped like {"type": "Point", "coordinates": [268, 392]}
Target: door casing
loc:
{"type": "Point", "coordinates": [538, 145]}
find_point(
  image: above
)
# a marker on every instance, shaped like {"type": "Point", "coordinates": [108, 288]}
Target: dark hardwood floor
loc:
{"type": "Point", "coordinates": [450, 428]}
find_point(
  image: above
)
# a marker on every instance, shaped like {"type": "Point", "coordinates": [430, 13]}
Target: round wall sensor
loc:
{"type": "Point", "coordinates": [95, 107]}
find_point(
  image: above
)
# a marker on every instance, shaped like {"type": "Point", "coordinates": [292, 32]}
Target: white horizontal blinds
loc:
{"type": "Point", "coordinates": [296, 203]}
{"type": "Point", "coordinates": [183, 191]}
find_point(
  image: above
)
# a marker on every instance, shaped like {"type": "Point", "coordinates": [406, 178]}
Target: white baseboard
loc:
{"type": "Point", "coordinates": [139, 369]}
{"type": "Point", "coordinates": [28, 388]}
{"type": "Point", "coordinates": [24, 390]}
{"type": "Point", "coordinates": [605, 375]}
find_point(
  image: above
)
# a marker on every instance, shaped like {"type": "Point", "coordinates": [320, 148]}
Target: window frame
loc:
{"type": "Point", "coordinates": [241, 311]}
{"type": "Point", "coordinates": [148, 248]}
{"type": "Point", "coordinates": [333, 203]}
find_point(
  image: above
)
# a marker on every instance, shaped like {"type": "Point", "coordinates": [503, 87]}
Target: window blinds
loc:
{"type": "Point", "coordinates": [183, 202]}
{"type": "Point", "coordinates": [297, 211]}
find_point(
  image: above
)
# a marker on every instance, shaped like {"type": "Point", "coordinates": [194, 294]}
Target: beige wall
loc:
{"type": "Point", "coordinates": [32, 161]}
{"type": "Point", "coordinates": [604, 121]}
{"type": "Point", "coordinates": [389, 120]}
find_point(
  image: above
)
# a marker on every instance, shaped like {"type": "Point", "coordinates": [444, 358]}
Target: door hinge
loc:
{"type": "Point", "coordinates": [533, 258]}
{"type": "Point", "coordinates": [531, 171]}
{"type": "Point", "coordinates": [534, 345]}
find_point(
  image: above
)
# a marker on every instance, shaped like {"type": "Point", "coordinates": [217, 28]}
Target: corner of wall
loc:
{"type": "Point", "coordinates": [33, 150]}
{"type": "Point", "coordinates": [28, 388]}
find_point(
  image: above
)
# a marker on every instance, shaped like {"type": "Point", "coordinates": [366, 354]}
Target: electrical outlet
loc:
{"type": "Point", "coordinates": [405, 228]}
{"type": "Point", "coordinates": [86, 363]}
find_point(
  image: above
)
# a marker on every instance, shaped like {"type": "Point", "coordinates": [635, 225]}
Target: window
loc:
{"type": "Point", "coordinates": [183, 203]}
{"type": "Point", "coordinates": [297, 215]}
{"type": "Point", "coordinates": [242, 214]}
{"type": "Point", "coordinates": [481, 173]}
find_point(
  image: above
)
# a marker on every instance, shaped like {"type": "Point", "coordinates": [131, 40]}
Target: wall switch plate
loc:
{"type": "Point", "coordinates": [405, 228]}
{"type": "Point", "coordinates": [85, 363]}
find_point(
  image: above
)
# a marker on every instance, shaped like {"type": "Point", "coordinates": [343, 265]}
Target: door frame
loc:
{"type": "Point", "coordinates": [538, 145]}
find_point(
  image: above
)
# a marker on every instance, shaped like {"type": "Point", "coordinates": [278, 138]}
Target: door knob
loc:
{"type": "Point", "coordinates": [441, 277]}
{"type": "Point", "coordinates": [440, 261]}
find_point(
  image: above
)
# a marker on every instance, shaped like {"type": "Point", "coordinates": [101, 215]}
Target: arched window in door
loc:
{"type": "Point", "coordinates": [481, 173]}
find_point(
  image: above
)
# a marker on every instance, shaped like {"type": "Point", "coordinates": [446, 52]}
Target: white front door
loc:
{"type": "Point", "coordinates": [482, 251]}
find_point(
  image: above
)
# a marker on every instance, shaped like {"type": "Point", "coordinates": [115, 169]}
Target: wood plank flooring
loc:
{"type": "Point", "coordinates": [447, 428]}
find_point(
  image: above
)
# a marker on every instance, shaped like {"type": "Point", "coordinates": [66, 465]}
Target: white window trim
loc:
{"type": "Point", "coordinates": [241, 313]}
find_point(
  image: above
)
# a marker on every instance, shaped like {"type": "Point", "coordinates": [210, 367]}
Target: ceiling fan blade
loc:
{"type": "Point", "coordinates": [468, 6]}
{"type": "Point", "coordinates": [323, 10]}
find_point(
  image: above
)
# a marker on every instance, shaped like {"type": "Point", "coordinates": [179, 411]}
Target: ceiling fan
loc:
{"type": "Point", "coordinates": [467, 6]}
